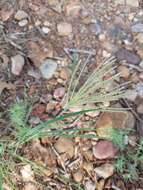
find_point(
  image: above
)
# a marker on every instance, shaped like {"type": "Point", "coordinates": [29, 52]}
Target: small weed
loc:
{"type": "Point", "coordinates": [18, 113]}
{"type": "Point", "coordinates": [129, 162]}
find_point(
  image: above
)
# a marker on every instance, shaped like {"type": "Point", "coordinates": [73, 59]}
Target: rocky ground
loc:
{"type": "Point", "coordinates": [37, 40]}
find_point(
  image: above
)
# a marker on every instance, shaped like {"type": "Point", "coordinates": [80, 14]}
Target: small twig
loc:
{"type": "Point", "coordinates": [79, 51]}
{"type": "Point", "coordinates": [59, 157]}
{"type": "Point", "coordinates": [133, 66]}
{"type": "Point", "coordinates": [134, 113]}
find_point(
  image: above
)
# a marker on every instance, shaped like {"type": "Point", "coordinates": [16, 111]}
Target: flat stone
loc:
{"type": "Point", "coordinates": [65, 145]}
{"type": "Point", "coordinates": [131, 95]}
{"type": "Point", "coordinates": [133, 3]}
{"type": "Point", "coordinates": [73, 8]}
{"type": "Point", "coordinates": [104, 149]}
{"type": "Point", "coordinates": [137, 28]}
{"type": "Point", "coordinates": [129, 56]}
{"type": "Point", "coordinates": [48, 68]}
{"type": "Point", "coordinates": [20, 15]}
{"type": "Point", "coordinates": [64, 29]}
{"type": "Point", "coordinates": [108, 121]}
{"type": "Point", "coordinates": [17, 63]}
{"type": "Point", "coordinates": [105, 170]}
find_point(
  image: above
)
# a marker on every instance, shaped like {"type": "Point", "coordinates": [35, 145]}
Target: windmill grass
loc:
{"type": "Point", "coordinates": [78, 96]}
{"type": "Point", "coordinates": [93, 90]}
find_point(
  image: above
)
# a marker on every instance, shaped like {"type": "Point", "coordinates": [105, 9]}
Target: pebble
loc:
{"type": "Point", "coordinates": [105, 170]}
{"type": "Point", "coordinates": [131, 95]}
{"type": "Point", "coordinates": [33, 73]}
{"type": "Point", "coordinates": [130, 121]}
{"type": "Point", "coordinates": [124, 71]}
{"type": "Point", "coordinates": [139, 89]}
{"type": "Point", "coordinates": [23, 22]}
{"type": "Point", "coordinates": [140, 108]}
{"type": "Point", "coordinates": [48, 68]}
{"type": "Point", "coordinates": [141, 76]}
{"type": "Point", "coordinates": [141, 64]}
{"type": "Point", "coordinates": [74, 8]}
{"type": "Point", "coordinates": [45, 30]}
{"type": "Point", "coordinates": [17, 63]}
{"type": "Point", "coordinates": [116, 31]}
{"type": "Point", "coordinates": [132, 140]}
{"type": "Point", "coordinates": [139, 37]}
{"type": "Point", "coordinates": [78, 176]}
{"type": "Point", "coordinates": [65, 145]}
{"type": "Point", "coordinates": [89, 185]}
{"type": "Point", "coordinates": [50, 106]}
{"type": "Point", "coordinates": [30, 186]}
{"type": "Point", "coordinates": [59, 93]}
{"type": "Point", "coordinates": [27, 173]}
{"type": "Point", "coordinates": [137, 28]}
{"type": "Point", "coordinates": [102, 37]}
{"type": "Point", "coordinates": [64, 74]}
{"type": "Point", "coordinates": [20, 15]}
{"type": "Point", "coordinates": [95, 28]}
{"type": "Point", "coordinates": [34, 120]}
{"type": "Point", "coordinates": [64, 29]}
{"type": "Point", "coordinates": [129, 56]}
{"type": "Point", "coordinates": [104, 149]}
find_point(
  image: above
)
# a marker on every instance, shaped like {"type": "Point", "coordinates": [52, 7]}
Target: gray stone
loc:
{"type": "Point", "coordinates": [129, 56]}
{"type": "Point", "coordinates": [131, 95]}
{"type": "Point", "coordinates": [137, 28]}
{"type": "Point", "coordinates": [116, 31]}
{"type": "Point", "coordinates": [139, 89]}
{"type": "Point", "coordinates": [48, 68]}
{"type": "Point", "coordinates": [96, 28]}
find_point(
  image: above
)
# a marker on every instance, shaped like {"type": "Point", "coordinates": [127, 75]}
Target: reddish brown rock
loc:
{"type": "Point", "coordinates": [104, 149]}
